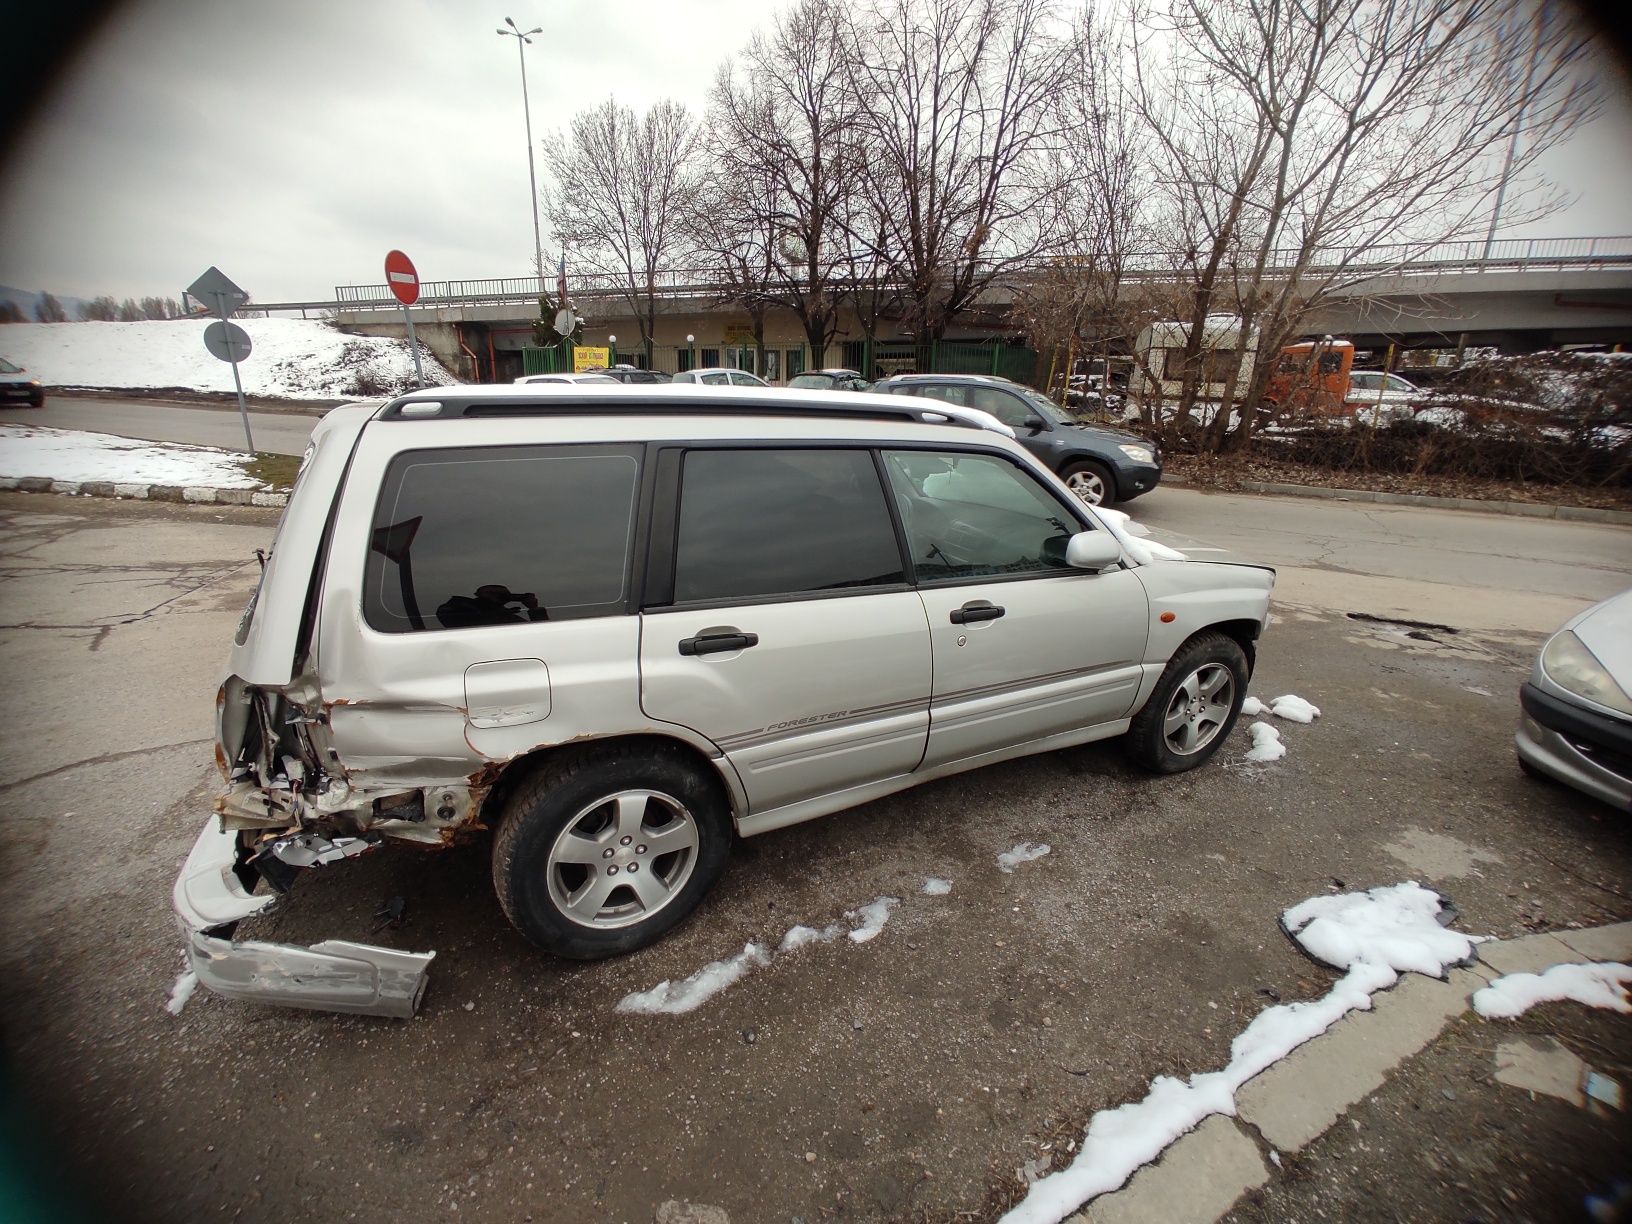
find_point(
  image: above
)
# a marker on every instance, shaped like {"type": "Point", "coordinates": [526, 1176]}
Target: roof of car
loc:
{"type": "Point", "coordinates": [971, 378]}
{"type": "Point", "coordinates": [506, 399]}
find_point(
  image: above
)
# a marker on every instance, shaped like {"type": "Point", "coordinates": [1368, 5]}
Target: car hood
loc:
{"type": "Point", "coordinates": [22, 376]}
{"type": "Point", "coordinates": [1606, 630]}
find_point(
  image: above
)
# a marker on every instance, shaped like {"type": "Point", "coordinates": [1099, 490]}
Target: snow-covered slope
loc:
{"type": "Point", "coordinates": [291, 358]}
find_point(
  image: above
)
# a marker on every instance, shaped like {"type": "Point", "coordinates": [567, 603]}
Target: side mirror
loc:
{"type": "Point", "coordinates": [1034, 423]}
{"type": "Point", "coordinates": [1092, 550]}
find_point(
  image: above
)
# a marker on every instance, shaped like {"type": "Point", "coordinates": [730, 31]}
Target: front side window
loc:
{"type": "Point", "coordinates": [781, 522]}
{"type": "Point", "coordinates": [1009, 409]}
{"type": "Point", "coordinates": [976, 516]}
{"type": "Point", "coordinates": [1363, 382]}
{"type": "Point", "coordinates": [501, 535]}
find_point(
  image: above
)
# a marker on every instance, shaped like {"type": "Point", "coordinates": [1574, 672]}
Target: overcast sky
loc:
{"type": "Point", "coordinates": [294, 143]}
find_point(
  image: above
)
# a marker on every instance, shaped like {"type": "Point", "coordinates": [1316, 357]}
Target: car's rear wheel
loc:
{"type": "Point", "coordinates": [1194, 706]}
{"type": "Point", "coordinates": [1090, 481]}
{"type": "Point", "coordinates": [605, 851]}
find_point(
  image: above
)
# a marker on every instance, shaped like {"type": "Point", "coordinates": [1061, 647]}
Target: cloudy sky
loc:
{"type": "Point", "coordinates": [294, 143]}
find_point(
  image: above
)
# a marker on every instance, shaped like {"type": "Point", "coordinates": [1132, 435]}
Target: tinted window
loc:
{"type": "Point", "coordinates": [769, 522]}
{"type": "Point", "coordinates": [817, 382]}
{"type": "Point", "coordinates": [947, 393]}
{"type": "Point", "coordinates": [970, 516]}
{"type": "Point", "coordinates": [1009, 409]}
{"type": "Point", "coordinates": [501, 536]}
{"type": "Point", "coordinates": [717, 379]}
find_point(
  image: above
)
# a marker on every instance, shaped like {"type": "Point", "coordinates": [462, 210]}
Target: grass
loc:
{"type": "Point", "coordinates": [277, 472]}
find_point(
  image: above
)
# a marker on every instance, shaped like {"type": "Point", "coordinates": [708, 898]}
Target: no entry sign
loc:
{"type": "Point", "coordinates": [401, 277]}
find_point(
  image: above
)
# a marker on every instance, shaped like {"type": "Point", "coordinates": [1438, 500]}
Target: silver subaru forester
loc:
{"type": "Point", "coordinates": [614, 627]}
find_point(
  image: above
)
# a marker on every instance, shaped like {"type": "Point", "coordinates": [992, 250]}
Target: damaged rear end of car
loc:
{"type": "Point", "coordinates": [286, 805]}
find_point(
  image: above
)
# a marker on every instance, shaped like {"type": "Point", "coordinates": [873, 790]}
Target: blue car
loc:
{"type": "Point", "coordinates": [1098, 464]}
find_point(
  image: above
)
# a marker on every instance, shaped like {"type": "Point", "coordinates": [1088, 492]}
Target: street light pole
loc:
{"type": "Point", "coordinates": [522, 41]}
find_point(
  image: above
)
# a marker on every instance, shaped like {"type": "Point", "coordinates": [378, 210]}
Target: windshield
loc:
{"type": "Point", "coordinates": [1044, 407]}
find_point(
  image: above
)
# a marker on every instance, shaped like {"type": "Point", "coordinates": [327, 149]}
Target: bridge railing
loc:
{"type": "Point", "coordinates": [1406, 259]}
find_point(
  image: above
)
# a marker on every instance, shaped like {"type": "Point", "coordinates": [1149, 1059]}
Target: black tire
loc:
{"type": "Point", "coordinates": [1089, 475]}
{"type": "Point", "coordinates": [577, 792]}
{"type": "Point", "coordinates": [1148, 739]}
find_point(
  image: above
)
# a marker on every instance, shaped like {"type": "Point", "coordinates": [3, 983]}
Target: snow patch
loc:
{"type": "Point", "coordinates": [290, 359]}
{"type": "Point", "coordinates": [1025, 852]}
{"type": "Point", "coordinates": [673, 998]}
{"type": "Point", "coordinates": [1294, 708]}
{"type": "Point", "coordinates": [74, 455]}
{"type": "Point", "coordinates": [1252, 707]}
{"type": "Point", "coordinates": [872, 916]}
{"type": "Point", "coordinates": [936, 886]}
{"type": "Point", "coordinates": [1404, 935]}
{"type": "Point", "coordinates": [1130, 534]}
{"type": "Point", "coordinates": [186, 983]}
{"type": "Point", "coordinates": [1266, 743]}
{"type": "Point", "coordinates": [1597, 985]}
{"type": "Point", "coordinates": [798, 936]}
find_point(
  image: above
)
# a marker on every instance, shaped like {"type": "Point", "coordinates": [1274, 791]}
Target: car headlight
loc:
{"type": "Point", "coordinates": [1570, 665]}
{"type": "Point", "coordinates": [1139, 454]}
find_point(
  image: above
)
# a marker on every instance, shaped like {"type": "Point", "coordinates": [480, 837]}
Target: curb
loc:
{"type": "Point", "coordinates": [1201, 1175]}
{"type": "Point", "coordinates": [1575, 514]}
{"type": "Point", "coordinates": [192, 494]}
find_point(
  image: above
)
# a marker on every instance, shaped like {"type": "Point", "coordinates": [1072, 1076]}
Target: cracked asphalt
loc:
{"type": "Point", "coordinates": [907, 1078]}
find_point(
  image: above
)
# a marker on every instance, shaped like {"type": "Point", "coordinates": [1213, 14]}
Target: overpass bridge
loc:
{"type": "Point", "coordinates": [1515, 294]}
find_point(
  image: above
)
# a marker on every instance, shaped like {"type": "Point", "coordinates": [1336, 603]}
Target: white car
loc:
{"type": "Point", "coordinates": [1376, 398]}
{"type": "Point", "coordinates": [719, 376]}
{"type": "Point", "coordinates": [1576, 721]}
{"type": "Point", "coordinates": [565, 378]}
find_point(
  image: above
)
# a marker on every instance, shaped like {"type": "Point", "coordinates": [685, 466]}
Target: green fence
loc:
{"type": "Point", "coordinates": [886, 357]}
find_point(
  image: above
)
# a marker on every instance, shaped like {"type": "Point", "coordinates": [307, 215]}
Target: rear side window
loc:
{"type": "Point", "coordinates": [781, 522]}
{"type": "Point", "coordinates": [501, 535]}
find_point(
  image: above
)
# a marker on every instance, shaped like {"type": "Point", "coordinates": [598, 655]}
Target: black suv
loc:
{"type": "Point", "coordinates": [1099, 464]}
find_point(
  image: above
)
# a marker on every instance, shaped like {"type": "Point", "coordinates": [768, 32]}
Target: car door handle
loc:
{"type": "Point", "coordinates": [715, 643]}
{"type": "Point", "coordinates": [976, 610]}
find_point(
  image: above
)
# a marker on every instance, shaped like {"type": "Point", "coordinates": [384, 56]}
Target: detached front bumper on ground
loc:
{"type": "Point", "coordinates": [336, 975]}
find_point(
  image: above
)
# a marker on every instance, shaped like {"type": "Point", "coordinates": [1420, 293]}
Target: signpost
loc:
{"type": "Point", "coordinates": [224, 339]}
{"type": "Point", "coordinates": [403, 281]}
{"type": "Point", "coordinates": [591, 359]}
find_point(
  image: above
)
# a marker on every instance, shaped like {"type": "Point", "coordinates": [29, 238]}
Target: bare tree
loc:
{"type": "Point", "coordinates": [623, 185]}
{"type": "Point", "coordinates": [785, 118]}
{"type": "Point", "coordinates": [99, 310]}
{"type": "Point", "coordinates": [734, 230]}
{"type": "Point", "coordinates": [1308, 145]}
{"type": "Point", "coordinates": [951, 103]}
{"type": "Point", "coordinates": [10, 312]}
{"type": "Point", "coordinates": [49, 310]}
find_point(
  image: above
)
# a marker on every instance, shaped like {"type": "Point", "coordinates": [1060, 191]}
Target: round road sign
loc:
{"type": "Point", "coordinates": [227, 341]}
{"type": "Point", "coordinates": [401, 277]}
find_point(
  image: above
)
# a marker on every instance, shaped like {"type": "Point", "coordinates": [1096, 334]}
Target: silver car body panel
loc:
{"type": "Point", "coordinates": [335, 975]}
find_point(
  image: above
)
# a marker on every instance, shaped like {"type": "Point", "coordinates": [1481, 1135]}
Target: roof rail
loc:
{"type": "Point", "coordinates": [453, 403]}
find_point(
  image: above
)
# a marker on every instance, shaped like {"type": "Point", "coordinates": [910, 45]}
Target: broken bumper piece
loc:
{"type": "Point", "coordinates": [334, 975]}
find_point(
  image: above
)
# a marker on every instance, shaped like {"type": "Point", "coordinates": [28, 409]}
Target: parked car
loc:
{"type": "Point", "coordinates": [566, 377]}
{"type": "Point", "coordinates": [1376, 398]}
{"type": "Point", "coordinates": [16, 386]}
{"type": "Point", "coordinates": [613, 639]}
{"type": "Point", "coordinates": [1096, 463]}
{"type": "Point", "coordinates": [635, 375]}
{"type": "Point", "coordinates": [829, 380]}
{"type": "Point", "coordinates": [1576, 721]}
{"type": "Point", "coordinates": [719, 376]}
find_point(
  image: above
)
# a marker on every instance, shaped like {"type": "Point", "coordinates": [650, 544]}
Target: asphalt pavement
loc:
{"type": "Point", "coordinates": [281, 433]}
{"type": "Point", "coordinates": [907, 1078]}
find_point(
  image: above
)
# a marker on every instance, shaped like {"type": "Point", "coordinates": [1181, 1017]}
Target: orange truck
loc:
{"type": "Point", "coordinates": [1311, 379]}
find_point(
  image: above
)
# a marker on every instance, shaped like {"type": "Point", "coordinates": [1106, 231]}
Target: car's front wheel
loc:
{"type": "Point", "coordinates": [1194, 706]}
{"type": "Point", "coordinates": [1090, 481]}
{"type": "Point", "coordinates": [606, 850]}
